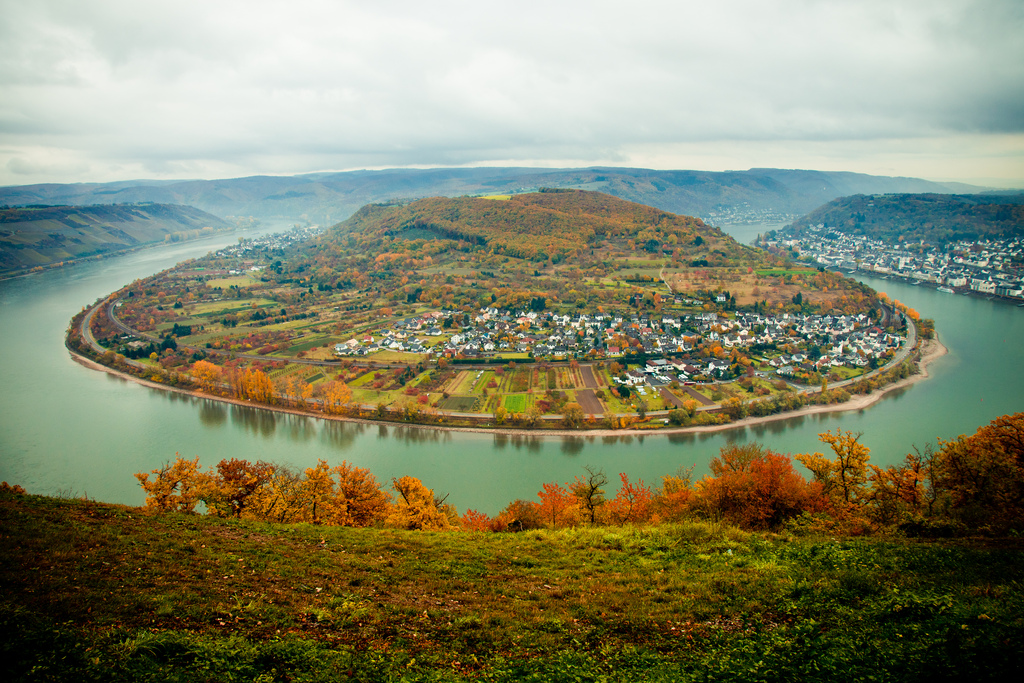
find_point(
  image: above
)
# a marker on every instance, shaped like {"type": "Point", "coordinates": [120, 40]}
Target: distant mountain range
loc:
{"type": "Point", "coordinates": [40, 236]}
{"type": "Point", "coordinates": [757, 195]}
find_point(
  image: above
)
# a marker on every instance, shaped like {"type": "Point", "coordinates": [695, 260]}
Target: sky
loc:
{"type": "Point", "coordinates": [106, 90]}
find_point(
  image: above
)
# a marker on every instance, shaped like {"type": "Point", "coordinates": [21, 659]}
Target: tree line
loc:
{"type": "Point", "coordinates": [970, 484]}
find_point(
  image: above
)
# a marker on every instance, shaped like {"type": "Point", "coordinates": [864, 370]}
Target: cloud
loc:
{"type": "Point", "coordinates": [244, 87]}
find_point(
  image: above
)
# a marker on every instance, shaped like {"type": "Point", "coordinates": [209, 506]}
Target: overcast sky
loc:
{"type": "Point", "coordinates": [100, 90]}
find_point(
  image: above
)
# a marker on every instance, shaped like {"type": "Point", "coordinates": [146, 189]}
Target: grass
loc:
{"type": "Point", "coordinates": [104, 592]}
{"type": "Point", "coordinates": [459, 404]}
{"type": "Point", "coordinates": [515, 403]}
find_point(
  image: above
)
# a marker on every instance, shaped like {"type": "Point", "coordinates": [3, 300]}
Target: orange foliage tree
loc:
{"type": "Point", "coordinates": [179, 485]}
{"type": "Point", "coordinates": [207, 375]}
{"type": "Point", "coordinates": [755, 488]}
{"type": "Point", "coordinates": [843, 478]}
{"type": "Point", "coordinates": [557, 506]}
{"type": "Point", "coordinates": [253, 385]}
{"type": "Point", "coordinates": [236, 481]}
{"type": "Point", "coordinates": [981, 477]}
{"type": "Point", "coordinates": [416, 508]}
{"type": "Point", "coordinates": [633, 504]}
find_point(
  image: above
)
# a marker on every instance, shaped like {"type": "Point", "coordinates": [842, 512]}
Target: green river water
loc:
{"type": "Point", "coordinates": [68, 430]}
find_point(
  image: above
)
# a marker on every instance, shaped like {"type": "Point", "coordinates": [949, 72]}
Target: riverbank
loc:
{"type": "Point", "coordinates": [930, 351]}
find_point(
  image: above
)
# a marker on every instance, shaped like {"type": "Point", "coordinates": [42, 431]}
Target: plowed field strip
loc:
{"type": "Point", "coordinates": [589, 402]}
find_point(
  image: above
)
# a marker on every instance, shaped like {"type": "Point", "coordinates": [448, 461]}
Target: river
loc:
{"type": "Point", "coordinates": [67, 430]}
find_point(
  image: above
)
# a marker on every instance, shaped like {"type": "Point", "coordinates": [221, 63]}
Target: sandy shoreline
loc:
{"type": "Point", "coordinates": [931, 350]}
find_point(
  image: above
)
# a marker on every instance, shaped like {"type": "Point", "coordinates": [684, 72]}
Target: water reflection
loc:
{"type": "Point", "coordinates": [573, 445]}
{"type": "Point", "coordinates": [682, 439]}
{"type": "Point", "coordinates": [298, 428]}
{"type": "Point", "coordinates": [340, 435]}
{"type": "Point", "coordinates": [261, 422]}
{"type": "Point", "coordinates": [212, 413]}
{"type": "Point", "coordinates": [416, 435]}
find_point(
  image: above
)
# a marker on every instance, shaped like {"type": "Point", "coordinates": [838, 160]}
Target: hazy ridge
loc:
{"type": "Point", "coordinates": [328, 198]}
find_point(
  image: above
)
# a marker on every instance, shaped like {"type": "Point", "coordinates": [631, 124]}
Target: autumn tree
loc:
{"type": "Point", "coordinates": [755, 488]}
{"type": "Point", "coordinates": [573, 416]}
{"type": "Point", "coordinates": [901, 493]}
{"type": "Point", "coordinates": [521, 515]}
{"type": "Point", "coordinates": [633, 504]}
{"type": "Point", "coordinates": [416, 508]}
{"type": "Point", "coordinates": [337, 395]}
{"type": "Point", "coordinates": [365, 502]}
{"type": "Point", "coordinates": [253, 385]}
{"type": "Point", "coordinates": [557, 507]}
{"type": "Point", "coordinates": [473, 520]}
{"type": "Point", "coordinates": [982, 475]}
{"type": "Point", "coordinates": [235, 482]}
{"type": "Point", "coordinates": [179, 485]}
{"type": "Point", "coordinates": [589, 492]}
{"type": "Point", "coordinates": [282, 498]}
{"type": "Point", "coordinates": [207, 375]}
{"type": "Point", "coordinates": [843, 478]}
{"type": "Point", "coordinates": [674, 497]}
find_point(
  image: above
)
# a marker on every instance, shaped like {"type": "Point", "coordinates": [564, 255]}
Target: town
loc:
{"type": "Point", "coordinates": [992, 267]}
{"type": "Point", "coordinates": [685, 348]}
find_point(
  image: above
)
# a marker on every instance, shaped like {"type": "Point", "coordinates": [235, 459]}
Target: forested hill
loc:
{"type": "Point", "coordinates": [42, 235]}
{"type": "Point", "coordinates": [542, 225]}
{"type": "Point", "coordinates": [934, 218]}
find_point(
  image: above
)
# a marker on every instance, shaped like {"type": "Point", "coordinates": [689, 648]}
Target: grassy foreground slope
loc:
{"type": "Point", "coordinates": [104, 592]}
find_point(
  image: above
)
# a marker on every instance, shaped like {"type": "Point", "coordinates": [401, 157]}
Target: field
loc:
{"type": "Point", "coordinates": [458, 404]}
{"type": "Point", "coordinates": [515, 403]}
{"type": "Point", "coordinates": [104, 592]}
{"type": "Point", "coordinates": [234, 280]}
{"type": "Point", "coordinates": [750, 287]}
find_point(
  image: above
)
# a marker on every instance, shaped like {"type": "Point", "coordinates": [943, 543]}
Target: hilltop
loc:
{"type": "Point", "coordinates": [933, 218]}
{"type": "Point", "coordinates": [42, 235]}
{"type": "Point", "coordinates": [552, 224]}
{"type": "Point", "coordinates": [106, 592]}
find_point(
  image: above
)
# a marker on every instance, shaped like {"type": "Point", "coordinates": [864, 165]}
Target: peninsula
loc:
{"type": "Point", "coordinates": [561, 310]}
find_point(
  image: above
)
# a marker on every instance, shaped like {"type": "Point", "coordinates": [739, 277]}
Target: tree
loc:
{"type": "Point", "coordinates": [337, 396]}
{"type": "Point", "coordinates": [176, 486]}
{"type": "Point", "coordinates": [365, 502]}
{"type": "Point", "coordinates": [589, 492]}
{"type": "Point", "coordinates": [207, 375]}
{"type": "Point", "coordinates": [416, 508]}
{"type": "Point", "coordinates": [982, 475]}
{"type": "Point", "coordinates": [557, 506]}
{"type": "Point", "coordinates": [282, 498]}
{"type": "Point", "coordinates": [756, 488]}
{"type": "Point", "coordinates": [632, 504]}
{"type": "Point", "coordinates": [237, 480]}
{"type": "Point", "coordinates": [522, 515]}
{"type": "Point", "coordinates": [253, 385]}
{"type": "Point", "coordinates": [844, 479]}
{"type": "Point", "coordinates": [641, 409]}
{"type": "Point", "coordinates": [900, 493]}
{"type": "Point", "coordinates": [573, 416]}
{"type": "Point", "coordinates": [673, 499]}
